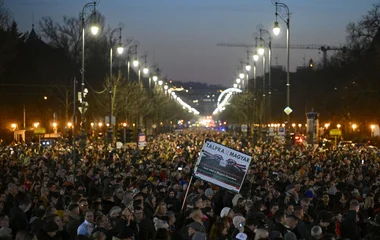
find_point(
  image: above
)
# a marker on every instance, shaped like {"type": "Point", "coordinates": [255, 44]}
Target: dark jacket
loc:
{"type": "Point", "coordinates": [18, 220]}
{"type": "Point", "coordinates": [281, 228]}
{"type": "Point", "coordinates": [147, 231]}
{"type": "Point", "coordinates": [348, 228]}
{"type": "Point", "coordinates": [72, 226]}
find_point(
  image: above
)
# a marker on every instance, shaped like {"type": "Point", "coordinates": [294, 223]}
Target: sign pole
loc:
{"type": "Point", "coordinates": [187, 192]}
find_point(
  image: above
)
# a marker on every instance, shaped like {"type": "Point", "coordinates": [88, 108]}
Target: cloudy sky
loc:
{"type": "Point", "coordinates": [181, 35]}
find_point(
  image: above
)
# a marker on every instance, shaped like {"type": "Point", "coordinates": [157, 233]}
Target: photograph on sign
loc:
{"type": "Point", "coordinates": [222, 166]}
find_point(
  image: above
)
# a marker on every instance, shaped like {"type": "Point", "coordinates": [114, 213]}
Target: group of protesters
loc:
{"type": "Point", "coordinates": [105, 193]}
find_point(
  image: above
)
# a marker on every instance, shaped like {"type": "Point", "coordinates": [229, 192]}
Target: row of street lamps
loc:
{"type": "Point", "coordinates": [260, 50]}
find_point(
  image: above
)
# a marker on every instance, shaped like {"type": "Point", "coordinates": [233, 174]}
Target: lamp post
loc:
{"type": "Point", "coordinates": [269, 44]}
{"type": "Point", "coordinates": [276, 30]}
{"type": "Point", "coordinates": [247, 68]}
{"type": "Point", "coordinates": [261, 51]}
{"type": "Point", "coordinates": [255, 59]}
{"type": "Point", "coordinates": [94, 31]}
{"type": "Point", "coordinates": [120, 50]}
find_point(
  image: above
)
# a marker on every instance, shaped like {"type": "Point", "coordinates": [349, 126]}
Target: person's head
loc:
{"type": "Point", "coordinates": [4, 220]}
{"type": "Point", "coordinates": [161, 208]}
{"type": "Point", "coordinates": [25, 204]}
{"type": "Point", "coordinates": [127, 214]}
{"type": "Point", "coordinates": [298, 211]}
{"type": "Point", "coordinates": [50, 211]}
{"type": "Point", "coordinates": [261, 233]}
{"type": "Point", "coordinates": [119, 193]}
{"type": "Point", "coordinates": [103, 221]}
{"type": "Point", "coordinates": [316, 232]}
{"type": "Point", "coordinates": [57, 220]}
{"type": "Point", "coordinates": [238, 222]}
{"type": "Point", "coordinates": [172, 218]}
{"type": "Point", "coordinates": [196, 214]}
{"type": "Point", "coordinates": [139, 214]}
{"type": "Point", "coordinates": [280, 217]}
{"type": "Point", "coordinates": [274, 208]}
{"type": "Point", "coordinates": [252, 223]}
{"type": "Point", "coordinates": [115, 212]}
{"type": "Point", "coordinates": [290, 236]}
{"type": "Point", "coordinates": [325, 198]}
{"type": "Point", "coordinates": [50, 228]}
{"type": "Point", "coordinates": [74, 208]}
{"type": "Point", "coordinates": [354, 205]}
{"type": "Point", "coordinates": [197, 202]}
{"type": "Point", "coordinates": [291, 222]}
{"type": "Point", "coordinates": [25, 235]}
{"type": "Point", "coordinates": [290, 208]}
{"type": "Point", "coordinates": [139, 196]}
{"type": "Point", "coordinates": [83, 205]}
{"type": "Point", "coordinates": [240, 202]}
{"type": "Point", "coordinates": [218, 229]}
{"type": "Point", "coordinates": [89, 216]}
{"type": "Point", "coordinates": [12, 189]}
{"type": "Point", "coordinates": [98, 235]}
{"type": "Point", "coordinates": [305, 203]}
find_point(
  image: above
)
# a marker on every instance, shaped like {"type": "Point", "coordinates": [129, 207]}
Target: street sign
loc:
{"type": "Point", "coordinates": [244, 128]}
{"type": "Point", "coordinates": [335, 132]}
{"type": "Point", "coordinates": [40, 130]}
{"type": "Point", "coordinates": [271, 132]}
{"type": "Point", "coordinates": [288, 110]}
{"type": "Point", "coordinates": [281, 131]}
{"type": "Point", "coordinates": [142, 140]}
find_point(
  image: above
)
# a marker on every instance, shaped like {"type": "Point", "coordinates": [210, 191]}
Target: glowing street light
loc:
{"type": "Point", "coordinates": [100, 124]}
{"type": "Point", "coordinates": [327, 125]}
{"type": "Point", "coordinates": [354, 126]}
{"type": "Point", "coordinates": [36, 124]}
{"type": "Point", "coordinates": [338, 126]}
{"type": "Point", "coordinates": [14, 126]}
{"type": "Point", "coordinates": [238, 80]}
{"type": "Point", "coordinates": [261, 50]}
{"type": "Point", "coordinates": [276, 28]}
{"type": "Point", "coordinates": [54, 124]}
{"type": "Point", "coordinates": [69, 124]}
{"type": "Point", "coordinates": [256, 57]}
{"type": "Point", "coordinates": [241, 75]}
{"type": "Point", "coordinates": [124, 124]}
{"type": "Point", "coordinates": [146, 70]}
{"type": "Point", "coordinates": [160, 82]}
{"type": "Point", "coordinates": [95, 29]}
{"type": "Point", "coordinates": [135, 62]}
{"type": "Point", "coordinates": [155, 78]}
{"type": "Point", "coordinates": [248, 67]}
{"type": "Point", "coordinates": [293, 125]}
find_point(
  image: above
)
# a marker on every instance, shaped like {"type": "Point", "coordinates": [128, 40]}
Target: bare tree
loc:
{"type": "Point", "coordinates": [361, 34]}
{"type": "Point", "coordinates": [5, 17]}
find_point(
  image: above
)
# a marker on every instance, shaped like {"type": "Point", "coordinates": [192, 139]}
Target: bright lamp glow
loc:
{"type": "Point", "coordinates": [238, 80]}
{"type": "Point", "coordinates": [94, 29]}
{"type": "Point", "coordinates": [160, 82]}
{"type": "Point", "coordinates": [135, 63]}
{"type": "Point", "coordinates": [166, 87]}
{"type": "Point", "coordinates": [256, 57]}
{"type": "Point", "coordinates": [155, 78]}
{"type": "Point", "coordinates": [276, 28]}
{"type": "Point", "coordinates": [146, 70]}
{"type": "Point", "coordinates": [120, 49]}
{"type": "Point", "coordinates": [248, 67]}
{"type": "Point", "coordinates": [261, 50]}
{"type": "Point", "coordinates": [241, 75]}
{"type": "Point", "coordinates": [235, 85]}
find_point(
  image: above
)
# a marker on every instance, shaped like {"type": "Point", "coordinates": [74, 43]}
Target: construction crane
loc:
{"type": "Point", "coordinates": [319, 47]}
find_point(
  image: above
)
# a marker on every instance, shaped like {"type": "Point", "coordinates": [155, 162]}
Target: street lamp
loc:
{"type": "Point", "coordinates": [14, 126]}
{"type": "Point", "coordinates": [160, 82]}
{"type": "Point", "coordinates": [372, 130]}
{"type": "Point", "coordinates": [238, 80]}
{"type": "Point", "coordinates": [69, 124]}
{"type": "Point", "coordinates": [276, 30]}
{"type": "Point", "coordinates": [354, 126]}
{"type": "Point", "coordinates": [235, 85]}
{"type": "Point", "coordinates": [338, 126]}
{"type": "Point", "coordinates": [120, 50]}
{"type": "Point", "coordinates": [94, 31]}
{"type": "Point", "coordinates": [135, 62]}
{"type": "Point", "coordinates": [36, 124]}
{"type": "Point", "coordinates": [261, 50]}
{"type": "Point", "coordinates": [241, 75]}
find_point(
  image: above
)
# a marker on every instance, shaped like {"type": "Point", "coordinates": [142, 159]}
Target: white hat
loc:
{"type": "Point", "coordinates": [241, 236]}
{"type": "Point", "coordinates": [225, 212]}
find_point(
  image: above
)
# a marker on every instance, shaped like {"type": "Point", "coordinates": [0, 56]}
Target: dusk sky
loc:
{"type": "Point", "coordinates": [182, 34]}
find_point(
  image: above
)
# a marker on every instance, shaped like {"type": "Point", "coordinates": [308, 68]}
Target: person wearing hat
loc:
{"type": "Point", "coordinates": [194, 227]}
{"type": "Point", "coordinates": [292, 194]}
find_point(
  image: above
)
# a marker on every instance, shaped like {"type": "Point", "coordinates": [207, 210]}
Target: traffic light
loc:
{"type": "Point", "coordinates": [129, 135]}
{"type": "Point", "coordinates": [120, 135]}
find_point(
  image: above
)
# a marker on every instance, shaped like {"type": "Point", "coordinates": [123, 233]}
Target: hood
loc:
{"type": "Point", "coordinates": [235, 199]}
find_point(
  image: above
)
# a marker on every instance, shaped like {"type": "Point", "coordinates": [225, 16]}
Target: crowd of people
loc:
{"type": "Point", "coordinates": [140, 194]}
